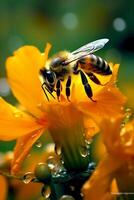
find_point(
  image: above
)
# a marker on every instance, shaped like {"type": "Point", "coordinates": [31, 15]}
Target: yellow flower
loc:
{"type": "Point", "coordinates": [65, 120]}
{"type": "Point", "coordinates": [118, 162]}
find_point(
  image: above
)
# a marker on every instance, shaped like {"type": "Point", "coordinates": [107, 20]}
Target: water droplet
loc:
{"type": "Point", "coordinates": [83, 151]}
{"type": "Point", "coordinates": [58, 149]}
{"type": "Point", "coordinates": [67, 197]}
{"type": "Point", "coordinates": [89, 141]}
{"type": "Point", "coordinates": [17, 114]}
{"type": "Point", "coordinates": [28, 177]}
{"type": "Point", "coordinates": [46, 192]}
{"type": "Point", "coordinates": [38, 144]}
{"type": "Point", "coordinates": [51, 161]}
{"type": "Point", "coordinates": [128, 113]}
{"type": "Point", "coordinates": [55, 165]}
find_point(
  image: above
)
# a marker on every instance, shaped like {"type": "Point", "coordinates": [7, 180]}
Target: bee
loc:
{"type": "Point", "coordinates": [80, 62]}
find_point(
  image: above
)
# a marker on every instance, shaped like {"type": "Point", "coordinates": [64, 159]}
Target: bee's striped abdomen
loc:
{"type": "Point", "coordinates": [99, 65]}
{"type": "Point", "coordinates": [95, 64]}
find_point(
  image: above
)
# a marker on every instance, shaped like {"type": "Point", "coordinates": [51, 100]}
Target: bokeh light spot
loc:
{"type": "Point", "coordinates": [70, 21]}
{"type": "Point", "coordinates": [119, 24]}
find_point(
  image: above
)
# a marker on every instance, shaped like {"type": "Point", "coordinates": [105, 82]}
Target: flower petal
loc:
{"type": "Point", "coordinates": [23, 76]}
{"type": "Point", "coordinates": [3, 188]}
{"type": "Point", "coordinates": [109, 101]}
{"type": "Point", "coordinates": [98, 186]}
{"type": "Point", "coordinates": [22, 149]}
{"type": "Point", "coordinates": [15, 123]}
{"type": "Point", "coordinates": [118, 140]}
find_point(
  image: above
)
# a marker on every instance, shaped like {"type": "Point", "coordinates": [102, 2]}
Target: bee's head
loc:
{"type": "Point", "coordinates": [49, 77]}
{"type": "Point", "coordinates": [56, 64]}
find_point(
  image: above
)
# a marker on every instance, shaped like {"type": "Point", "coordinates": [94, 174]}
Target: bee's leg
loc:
{"type": "Point", "coordinates": [58, 89]}
{"type": "Point", "coordinates": [44, 90]}
{"type": "Point", "coordinates": [87, 87]}
{"type": "Point", "coordinates": [76, 68]}
{"type": "Point", "coordinates": [94, 78]}
{"type": "Point", "coordinates": [68, 84]}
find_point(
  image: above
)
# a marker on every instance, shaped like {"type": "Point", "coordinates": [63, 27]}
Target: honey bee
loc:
{"type": "Point", "coordinates": [79, 62]}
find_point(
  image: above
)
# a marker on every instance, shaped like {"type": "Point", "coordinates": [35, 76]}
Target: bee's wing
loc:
{"type": "Point", "coordinates": [86, 50]}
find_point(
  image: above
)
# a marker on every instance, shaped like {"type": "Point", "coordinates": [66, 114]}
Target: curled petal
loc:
{"type": "Point", "coordinates": [22, 149]}
{"type": "Point", "coordinates": [23, 76]}
{"type": "Point", "coordinates": [98, 186]}
{"type": "Point", "coordinates": [118, 140]}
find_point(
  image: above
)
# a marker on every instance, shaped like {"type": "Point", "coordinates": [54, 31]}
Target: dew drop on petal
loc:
{"type": "Point", "coordinates": [38, 144]}
{"type": "Point", "coordinates": [28, 177]}
{"type": "Point", "coordinates": [17, 114]}
{"type": "Point", "coordinates": [46, 192]}
{"type": "Point", "coordinates": [66, 197]}
{"type": "Point", "coordinates": [83, 151]}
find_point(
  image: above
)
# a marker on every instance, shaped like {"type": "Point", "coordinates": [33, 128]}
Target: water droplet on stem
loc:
{"type": "Point", "coordinates": [51, 161]}
{"type": "Point", "coordinates": [58, 149]}
{"type": "Point", "coordinates": [83, 151]}
{"type": "Point", "coordinates": [67, 197]}
{"type": "Point", "coordinates": [28, 177]}
{"type": "Point", "coordinates": [46, 191]}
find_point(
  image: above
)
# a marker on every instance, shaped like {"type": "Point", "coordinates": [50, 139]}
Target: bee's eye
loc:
{"type": "Point", "coordinates": [50, 76]}
{"type": "Point", "coordinates": [56, 62]}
